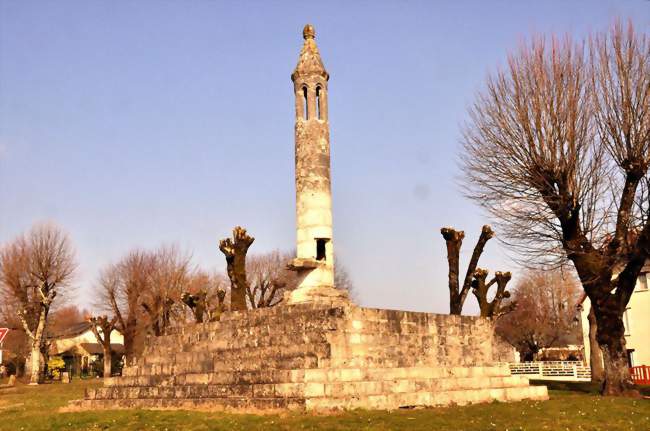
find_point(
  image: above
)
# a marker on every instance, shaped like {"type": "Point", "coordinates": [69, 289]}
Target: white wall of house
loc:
{"type": "Point", "coordinates": [63, 344]}
{"type": "Point", "coordinates": [636, 320]}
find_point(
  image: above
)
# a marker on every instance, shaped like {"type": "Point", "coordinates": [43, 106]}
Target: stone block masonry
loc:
{"type": "Point", "coordinates": [316, 357]}
{"type": "Point", "coordinates": [314, 263]}
{"type": "Point", "coordinates": [317, 351]}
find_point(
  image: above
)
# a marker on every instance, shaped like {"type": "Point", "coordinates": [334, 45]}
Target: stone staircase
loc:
{"type": "Point", "coordinates": [315, 357]}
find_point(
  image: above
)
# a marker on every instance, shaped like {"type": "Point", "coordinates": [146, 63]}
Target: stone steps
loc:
{"type": "Point", "coordinates": [226, 354]}
{"type": "Point", "coordinates": [241, 404]}
{"type": "Point", "coordinates": [306, 390]}
{"type": "Point", "coordinates": [135, 377]}
{"type": "Point", "coordinates": [430, 399]}
{"type": "Point", "coordinates": [263, 345]}
{"type": "Point", "coordinates": [272, 403]}
{"type": "Point", "coordinates": [297, 356]}
{"type": "Point", "coordinates": [219, 343]}
{"type": "Point", "coordinates": [311, 358]}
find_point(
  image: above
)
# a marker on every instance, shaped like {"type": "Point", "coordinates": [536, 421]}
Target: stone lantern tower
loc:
{"type": "Point", "coordinates": [326, 354]}
{"type": "Point", "coordinates": [314, 262]}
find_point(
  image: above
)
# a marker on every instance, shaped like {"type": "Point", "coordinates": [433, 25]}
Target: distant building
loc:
{"type": "Point", "coordinates": [636, 319]}
{"type": "Point", "coordinates": [570, 352]}
{"type": "Point", "coordinates": [79, 348]}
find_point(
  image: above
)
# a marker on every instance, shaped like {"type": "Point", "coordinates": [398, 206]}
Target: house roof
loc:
{"type": "Point", "coordinates": [71, 331]}
{"type": "Point", "coordinates": [96, 348]}
{"type": "Point", "coordinates": [88, 348]}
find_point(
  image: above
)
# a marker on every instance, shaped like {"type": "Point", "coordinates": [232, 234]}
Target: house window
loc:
{"type": "Point", "coordinates": [642, 282]}
{"type": "Point", "coordinates": [626, 321]}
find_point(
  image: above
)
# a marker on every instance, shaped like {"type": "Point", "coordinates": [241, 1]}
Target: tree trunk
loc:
{"type": "Point", "coordinates": [129, 340]}
{"type": "Point", "coordinates": [595, 353]}
{"type": "Point", "coordinates": [618, 380]}
{"type": "Point", "coordinates": [35, 364]}
{"type": "Point", "coordinates": [107, 361]}
{"type": "Point", "coordinates": [611, 338]}
{"type": "Point", "coordinates": [454, 240]}
{"type": "Point", "coordinates": [35, 377]}
{"type": "Point", "coordinates": [235, 250]}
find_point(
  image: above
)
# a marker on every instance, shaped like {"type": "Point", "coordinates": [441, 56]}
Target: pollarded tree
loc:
{"type": "Point", "coordinates": [205, 296]}
{"type": "Point", "coordinates": [492, 309]}
{"type": "Point", "coordinates": [235, 249]}
{"type": "Point", "coordinates": [34, 269]}
{"type": "Point", "coordinates": [558, 149]}
{"type": "Point", "coordinates": [454, 240]}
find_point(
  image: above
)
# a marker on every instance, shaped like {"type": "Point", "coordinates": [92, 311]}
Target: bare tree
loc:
{"type": "Point", "coordinates": [557, 150]}
{"type": "Point", "coordinates": [144, 292]}
{"type": "Point", "coordinates": [269, 278]}
{"type": "Point", "coordinates": [64, 317]}
{"type": "Point", "coordinates": [342, 279]}
{"type": "Point", "coordinates": [168, 279]}
{"type": "Point", "coordinates": [34, 269]}
{"type": "Point", "coordinates": [545, 312]}
{"type": "Point", "coordinates": [480, 288]}
{"type": "Point", "coordinates": [235, 250]}
{"type": "Point", "coordinates": [454, 239]}
{"type": "Point", "coordinates": [16, 345]}
{"type": "Point", "coordinates": [121, 288]}
{"type": "Point", "coordinates": [102, 327]}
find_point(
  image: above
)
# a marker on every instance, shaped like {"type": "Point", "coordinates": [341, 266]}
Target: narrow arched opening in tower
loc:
{"type": "Point", "coordinates": [321, 250]}
{"type": "Point", "coordinates": [305, 105]}
{"type": "Point", "coordinates": [319, 106]}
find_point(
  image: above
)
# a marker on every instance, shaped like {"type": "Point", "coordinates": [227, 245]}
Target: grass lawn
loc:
{"type": "Point", "coordinates": [571, 407]}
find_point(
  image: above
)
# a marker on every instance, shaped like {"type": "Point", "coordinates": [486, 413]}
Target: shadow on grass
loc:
{"type": "Point", "coordinates": [36, 409]}
{"type": "Point", "coordinates": [581, 387]}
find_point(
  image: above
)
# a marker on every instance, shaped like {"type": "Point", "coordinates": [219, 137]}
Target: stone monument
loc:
{"type": "Point", "coordinates": [314, 262]}
{"type": "Point", "coordinates": [317, 351]}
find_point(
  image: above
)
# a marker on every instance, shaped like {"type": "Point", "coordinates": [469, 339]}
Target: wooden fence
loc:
{"type": "Point", "coordinates": [641, 375]}
{"type": "Point", "coordinates": [569, 371]}
{"type": "Point", "coordinates": [552, 370]}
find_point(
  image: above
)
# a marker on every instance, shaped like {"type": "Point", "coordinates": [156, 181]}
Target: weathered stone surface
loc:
{"type": "Point", "coordinates": [314, 263]}
{"type": "Point", "coordinates": [316, 357]}
{"type": "Point", "coordinates": [318, 351]}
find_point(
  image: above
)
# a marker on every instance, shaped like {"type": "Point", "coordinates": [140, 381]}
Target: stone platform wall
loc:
{"type": "Point", "coordinates": [328, 337]}
{"type": "Point", "coordinates": [316, 357]}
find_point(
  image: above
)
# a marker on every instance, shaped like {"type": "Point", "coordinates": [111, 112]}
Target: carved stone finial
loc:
{"type": "Point", "coordinates": [308, 32]}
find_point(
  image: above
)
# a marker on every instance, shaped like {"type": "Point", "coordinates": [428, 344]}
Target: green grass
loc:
{"type": "Point", "coordinates": [574, 407]}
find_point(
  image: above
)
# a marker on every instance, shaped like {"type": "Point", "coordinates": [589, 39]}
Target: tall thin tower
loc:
{"type": "Point", "coordinates": [314, 260]}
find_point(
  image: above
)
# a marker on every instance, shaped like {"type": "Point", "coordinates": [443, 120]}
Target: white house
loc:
{"type": "Point", "coordinates": [79, 348]}
{"type": "Point", "coordinates": [636, 320]}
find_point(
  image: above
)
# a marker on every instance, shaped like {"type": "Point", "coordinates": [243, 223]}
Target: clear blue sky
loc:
{"type": "Point", "coordinates": [137, 123]}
